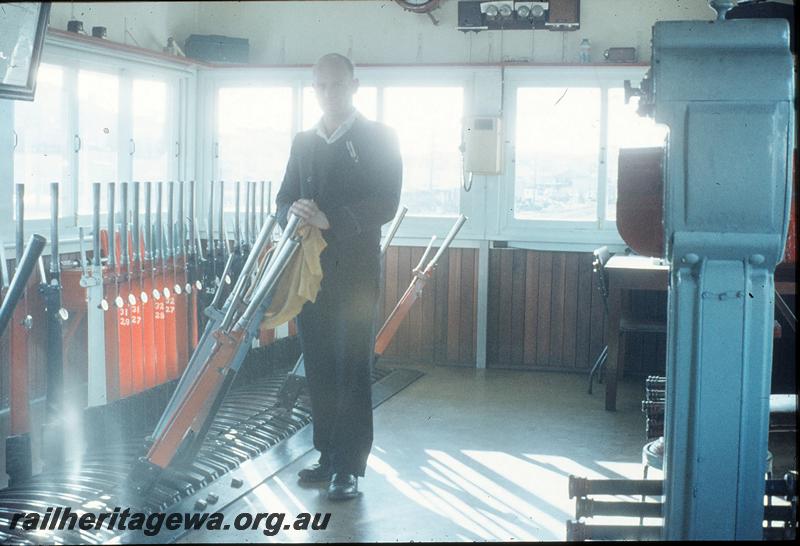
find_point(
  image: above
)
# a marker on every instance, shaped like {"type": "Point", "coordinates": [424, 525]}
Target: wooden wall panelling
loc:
{"type": "Point", "coordinates": [531, 307]}
{"type": "Point", "coordinates": [586, 288]}
{"type": "Point", "coordinates": [597, 314]}
{"type": "Point", "coordinates": [557, 310]}
{"type": "Point", "coordinates": [468, 299]}
{"type": "Point", "coordinates": [441, 311]}
{"type": "Point", "coordinates": [428, 324]}
{"type": "Point", "coordinates": [543, 318]}
{"type": "Point", "coordinates": [453, 307]}
{"type": "Point", "coordinates": [571, 274]}
{"type": "Point", "coordinates": [415, 318]}
{"type": "Point", "coordinates": [504, 280]}
{"type": "Point", "coordinates": [493, 311]}
{"type": "Point", "coordinates": [517, 308]}
{"type": "Point", "coordinates": [403, 278]}
{"type": "Point", "coordinates": [475, 274]}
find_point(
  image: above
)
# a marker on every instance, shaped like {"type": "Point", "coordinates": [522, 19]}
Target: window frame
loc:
{"type": "Point", "coordinates": [558, 234]}
{"type": "Point", "coordinates": [298, 77]}
{"type": "Point", "coordinates": [73, 56]}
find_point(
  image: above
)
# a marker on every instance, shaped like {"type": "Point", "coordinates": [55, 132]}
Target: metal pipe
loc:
{"type": "Point", "coordinates": [449, 239]}
{"type": "Point", "coordinates": [170, 219]}
{"type": "Point", "coordinates": [4, 267]}
{"type": "Point", "coordinates": [19, 281]}
{"type": "Point", "coordinates": [247, 214]}
{"type": "Point", "coordinates": [236, 231]}
{"type": "Point", "coordinates": [425, 254]}
{"type": "Point", "coordinates": [284, 250]}
{"type": "Point", "coordinates": [96, 224]}
{"type": "Point", "coordinates": [225, 271]}
{"type": "Point", "coordinates": [587, 508]}
{"type": "Point", "coordinates": [261, 204]}
{"type": "Point", "coordinates": [158, 244]}
{"type": "Point", "coordinates": [20, 223]}
{"type": "Point", "coordinates": [135, 220]}
{"type": "Point", "coordinates": [579, 532]}
{"type": "Point", "coordinates": [581, 487]}
{"type": "Point", "coordinates": [112, 259]}
{"type": "Point", "coordinates": [210, 233]}
{"type": "Point", "coordinates": [250, 262]}
{"type": "Point", "coordinates": [123, 237]}
{"type": "Point", "coordinates": [393, 229]}
{"type": "Point", "coordinates": [252, 212]}
{"type": "Point", "coordinates": [55, 259]}
{"type": "Point", "coordinates": [198, 241]}
{"type": "Point", "coordinates": [181, 249]}
{"type": "Point", "coordinates": [221, 220]}
{"type": "Point", "coordinates": [268, 282]}
{"type": "Point", "coordinates": [148, 222]}
{"type": "Point", "coordinates": [190, 219]}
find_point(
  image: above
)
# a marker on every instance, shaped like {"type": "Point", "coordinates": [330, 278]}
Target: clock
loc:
{"type": "Point", "coordinates": [419, 6]}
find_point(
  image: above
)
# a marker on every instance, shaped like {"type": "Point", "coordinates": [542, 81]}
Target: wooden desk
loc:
{"type": "Point", "coordinates": [626, 273]}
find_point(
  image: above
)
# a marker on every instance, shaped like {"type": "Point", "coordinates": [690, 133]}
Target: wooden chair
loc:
{"type": "Point", "coordinates": [627, 324]}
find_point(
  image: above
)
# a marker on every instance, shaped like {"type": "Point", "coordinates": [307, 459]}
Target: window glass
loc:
{"type": "Point", "coordinates": [557, 147]}
{"type": "Point", "coordinates": [428, 124]}
{"type": "Point", "coordinates": [626, 129]}
{"type": "Point", "coordinates": [98, 127]}
{"type": "Point", "coordinates": [365, 100]}
{"type": "Point", "coordinates": [153, 147]}
{"type": "Point", "coordinates": [42, 156]}
{"type": "Point", "coordinates": [254, 135]}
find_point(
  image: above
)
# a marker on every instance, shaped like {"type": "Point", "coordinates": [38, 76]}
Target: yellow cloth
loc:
{"type": "Point", "coordinates": [300, 281]}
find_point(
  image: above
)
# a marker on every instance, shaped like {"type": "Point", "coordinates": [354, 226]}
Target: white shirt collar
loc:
{"type": "Point", "coordinates": [340, 130]}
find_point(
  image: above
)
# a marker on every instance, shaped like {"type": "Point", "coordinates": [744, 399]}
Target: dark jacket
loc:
{"type": "Point", "coordinates": [355, 181]}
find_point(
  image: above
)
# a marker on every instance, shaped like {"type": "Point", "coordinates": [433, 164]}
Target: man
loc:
{"type": "Point", "coordinates": [344, 177]}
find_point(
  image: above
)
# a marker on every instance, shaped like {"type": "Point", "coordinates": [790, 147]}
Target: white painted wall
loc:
{"type": "Point", "coordinates": [150, 23]}
{"type": "Point", "coordinates": [375, 31]}
{"type": "Point", "coordinates": [382, 32]}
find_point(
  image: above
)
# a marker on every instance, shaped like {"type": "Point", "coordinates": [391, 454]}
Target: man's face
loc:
{"type": "Point", "coordinates": [334, 88]}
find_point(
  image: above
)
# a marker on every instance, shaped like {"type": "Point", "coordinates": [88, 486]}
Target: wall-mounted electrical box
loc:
{"type": "Point", "coordinates": [483, 145]}
{"type": "Point", "coordinates": [476, 15]}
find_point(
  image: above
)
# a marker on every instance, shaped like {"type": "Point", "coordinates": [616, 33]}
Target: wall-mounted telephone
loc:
{"type": "Point", "coordinates": [482, 145]}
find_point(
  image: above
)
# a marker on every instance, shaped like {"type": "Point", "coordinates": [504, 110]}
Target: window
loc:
{"type": "Point", "coordinates": [254, 136]}
{"type": "Point", "coordinates": [42, 157]}
{"type": "Point", "coordinates": [557, 146]}
{"type": "Point", "coordinates": [365, 100]}
{"type": "Point", "coordinates": [152, 145]}
{"type": "Point", "coordinates": [98, 128]}
{"type": "Point", "coordinates": [106, 119]}
{"type": "Point", "coordinates": [428, 124]}
{"type": "Point", "coordinates": [626, 129]}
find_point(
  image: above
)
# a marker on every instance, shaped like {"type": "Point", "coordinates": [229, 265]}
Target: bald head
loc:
{"type": "Point", "coordinates": [335, 61]}
{"type": "Point", "coordinates": [334, 85]}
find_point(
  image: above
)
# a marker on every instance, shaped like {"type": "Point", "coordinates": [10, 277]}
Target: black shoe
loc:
{"type": "Point", "coordinates": [343, 487]}
{"type": "Point", "coordinates": [315, 473]}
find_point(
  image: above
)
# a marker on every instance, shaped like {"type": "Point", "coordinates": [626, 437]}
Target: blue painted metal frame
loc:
{"type": "Point", "coordinates": [726, 90]}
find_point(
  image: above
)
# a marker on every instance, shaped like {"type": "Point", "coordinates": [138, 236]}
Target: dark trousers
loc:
{"type": "Point", "coordinates": [337, 337]}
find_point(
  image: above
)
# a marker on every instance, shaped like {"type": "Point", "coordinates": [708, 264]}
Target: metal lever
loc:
{"type": "Point", "coordinates": [393, 229]}
{"type": "Point", "coordinates": [83, 258]}
{"type": "Point", "coordinates": [421, 263]}
{"type": "Point", "coordinates": [449, 239]}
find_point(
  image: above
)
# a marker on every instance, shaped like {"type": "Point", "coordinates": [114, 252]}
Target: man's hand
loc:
{"type": "Point", "coordinates": [309, 213]}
